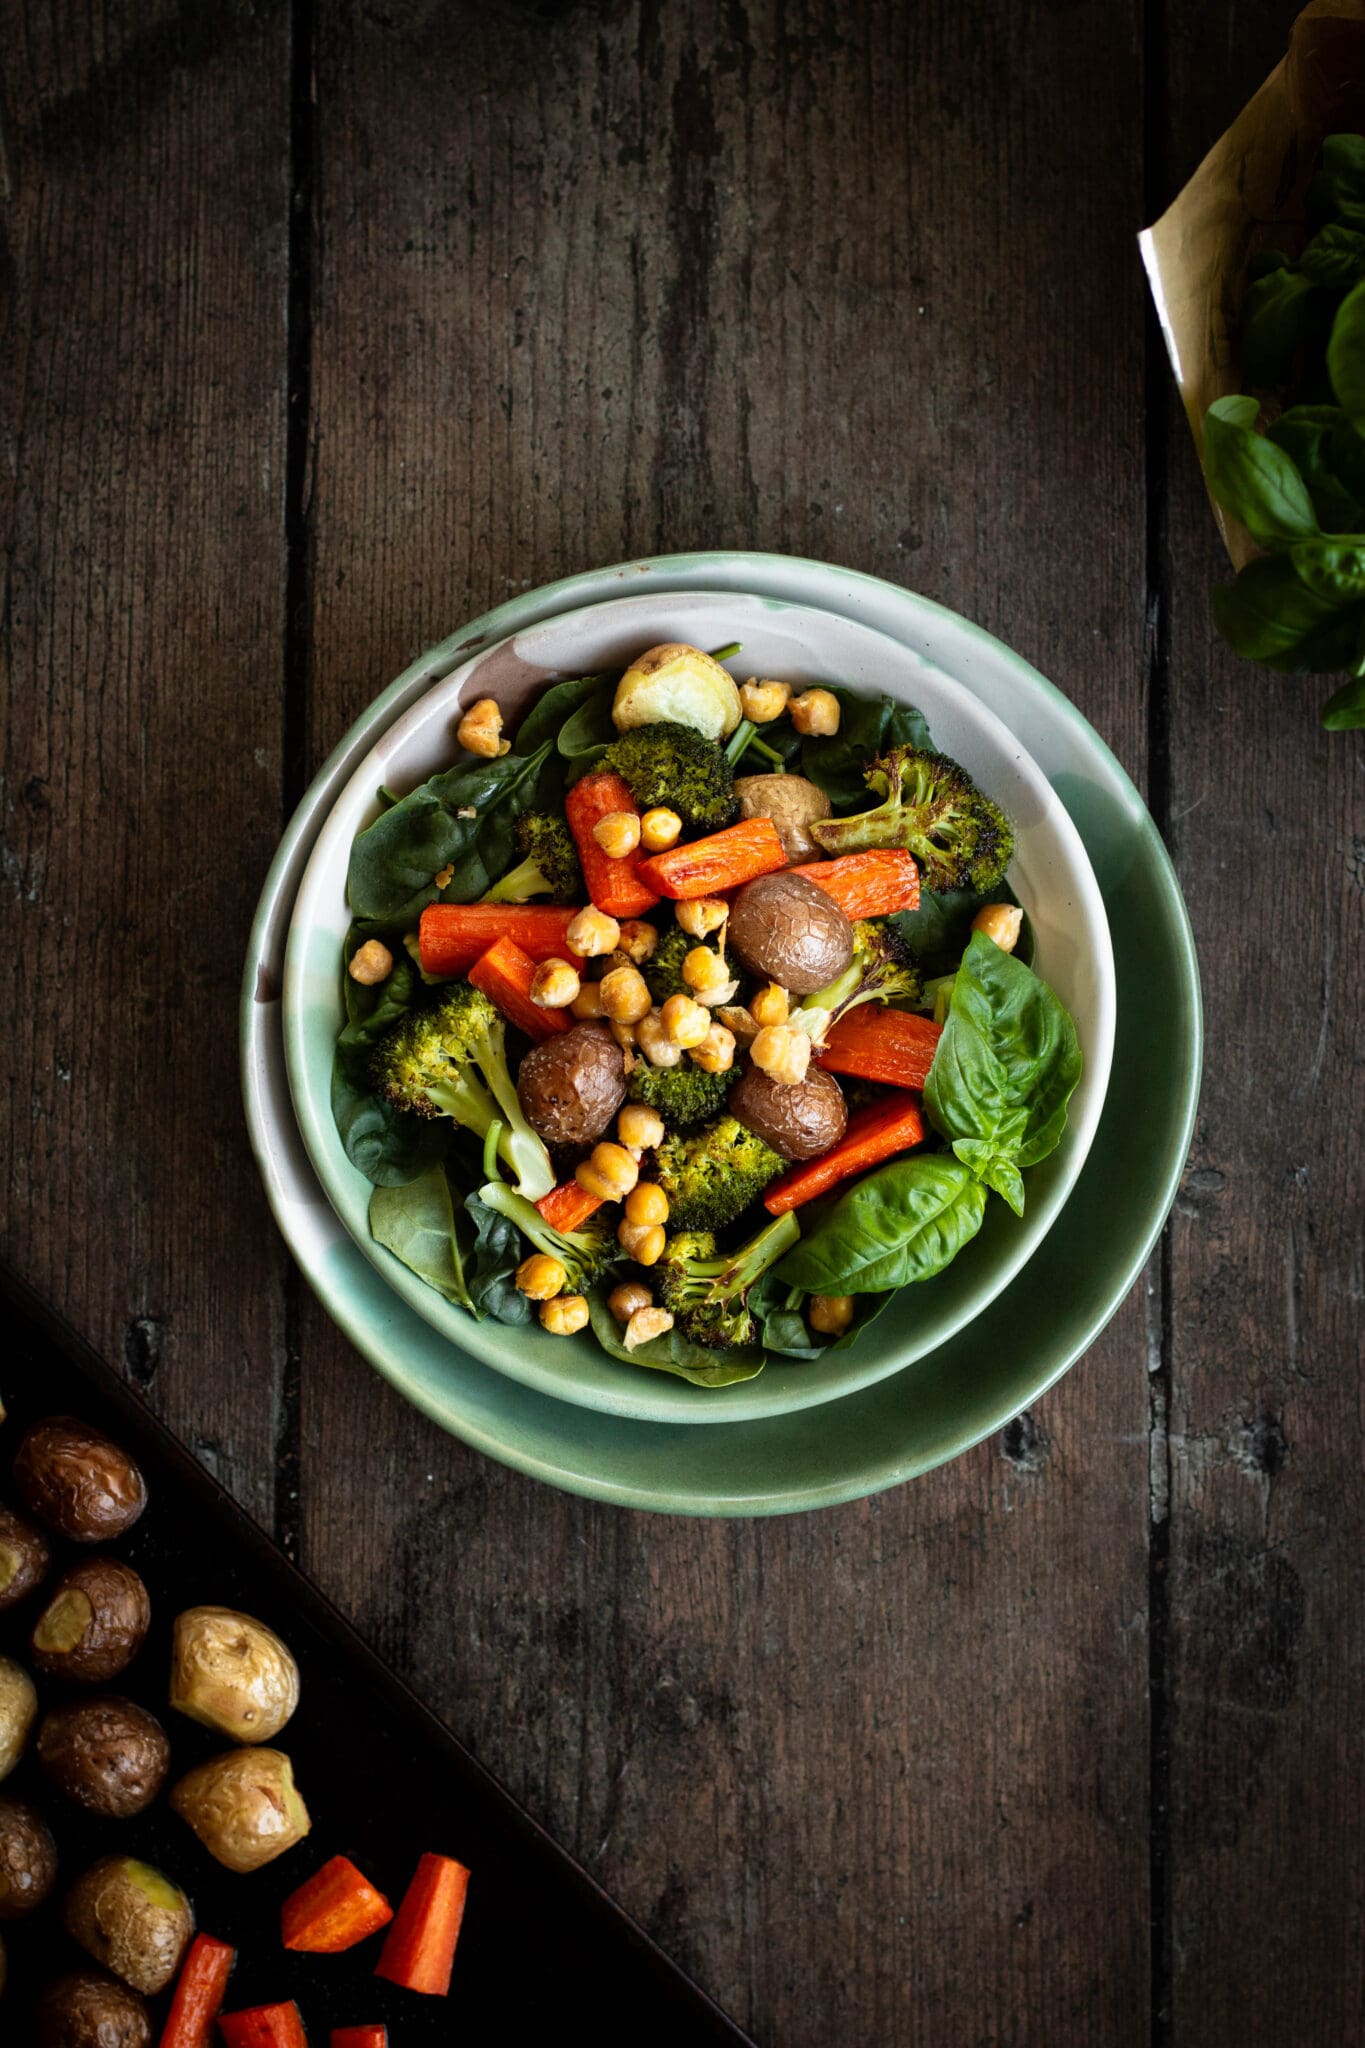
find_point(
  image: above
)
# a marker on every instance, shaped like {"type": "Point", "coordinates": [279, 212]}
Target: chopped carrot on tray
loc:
{"type": "Point", "coordinates": [419, 1949]}
{"type": "Point", "coordinates": [336, 1908]}
{"type": "Point", "coordinates": [453, 935]}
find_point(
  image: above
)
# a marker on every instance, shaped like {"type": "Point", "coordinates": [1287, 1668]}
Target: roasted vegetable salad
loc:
{"type": "Point", "coordinates": [709, 1062]}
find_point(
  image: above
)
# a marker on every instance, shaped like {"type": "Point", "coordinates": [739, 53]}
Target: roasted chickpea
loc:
{"type": "Point", "coordinates": [592, 932]}
{"type": "Point", "coordinates": [764, 700]}
{"type": "Point", "coordinates": [541, 1277]}
{"type": "Point", "coordinates": [639, 1127]}
{"type": "Point", "coordinates": [647, 1203]}
{"type": "Point", "coordinates": [643, 1242]}
{"type": "Point", "coordinates": [587, 1004]}
{"type": "Point", "coordinates": [659, 829]}
{"type": "Point", "coordinates": [654, 1042]}
{"type": "Point", "coordinates": [701, 915]}
{"type": "Point", "coordinates": [782, 1052]}
{"type": "Point", "coordinates": [638, 940]}
{"type": "Point", "coordinates": [618, 834]}
{"type": "Point", "coordinates": [685, 1021]}
{"type": "Point", "coordinates": [610, 1173]}
{"type": "Point", "coordinates": [480, 730]}
{"type": "Point", "coordinates": [627, 1297]}
{"type": "Point", "coordinates": [704, 970]}
{"type": "Point", "coordinates": [1001, 922]}
{"type": "Point", "coordinates": [830, 1314]}
{"type": "Point", "coordinates": [644, 1325]}
{"type": "Point", "coordinates": [565, 1315]}
{"type": "Point", "coordinates": [771, 1005]}
{"type": "Point", "coordinates": [716, 1053]}
{"type": "Point", "coordinates": [554, 984]}
{"type": "Point", "coordinates": [815, 712]}
{"type": "Point", "coordinates": [625, 996]}
{"type": "Point", "coordinates": [371, 963]}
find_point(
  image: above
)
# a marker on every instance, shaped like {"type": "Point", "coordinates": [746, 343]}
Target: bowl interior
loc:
{"type": "Point", "coordinates": [1051, 876]}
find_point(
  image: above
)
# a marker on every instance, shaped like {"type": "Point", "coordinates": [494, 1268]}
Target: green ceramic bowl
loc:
{"type": "Point", "coordinates": [1016, 1348]}
{"type": "Point", "coordinates": [1050, 873]}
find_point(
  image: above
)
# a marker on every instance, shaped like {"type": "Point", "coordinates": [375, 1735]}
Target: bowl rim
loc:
{"type": "Point", "coordinates": [599, 1382]}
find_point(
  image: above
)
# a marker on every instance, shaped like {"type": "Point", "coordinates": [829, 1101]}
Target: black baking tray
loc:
{"type": "Point", "coordinates": [542, 1949]}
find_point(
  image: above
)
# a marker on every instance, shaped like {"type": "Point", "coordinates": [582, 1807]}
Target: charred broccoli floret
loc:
{"type": "Point", "coordinates": [584, 1254]}
{"type": "Point", "coordinates": [711, 1176]}
{"type": "Point", "coordinates": [683, 1095]}
{"type": "Point", "coordinates": [451, 1060]}
{"type": "Point", "coordinates": [882, 970]}
{"type": "Point", "coordinates": [663, 970]}
{"type": "Point", "coordinates": [675, 766]}
{"type": "Point", "coordinates": [708, 1292]}
{"type": "Point", "coordinates": [961, 839]}
{"type": "Point", "coordinates": [549, 864]}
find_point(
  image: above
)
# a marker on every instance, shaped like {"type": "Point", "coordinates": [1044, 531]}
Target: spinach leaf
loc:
{"type": "Point", "coordinates": [1277, 318]}
{"type": "Point", "coordinates": [387, 1146]}
{"type": "Point", "coordinates": [417, 1224]}
{"type": "Point", "coordinates": [1004, 1070]}
{"type": "Point", "coordinates": [1338, 189]}
{"type": "Point", "coordinates": [904, 1223]}
{"type": "Point", "coordinates": [672, 1352]}
{"type": "Point", "coordinates": [1330, 457]}
{"type": "Point", "coordinates": [1252, 478]}
{"type": "Point", "coordinates": [1344, 710]}
{"type": "Point", "coordinates": [1267, 612]}
{"type": "Point", "coordinates": [554, 708]}
{"type": "Point", "coordinates": [867, 727]}
{"type": "Point", "coordinates": [585, 737]}
{"type": "Point", "coordinates": [1346, 355]}
{"type": "Point", "coordinates": [1335, 257]}
{"type": "Point", "coordinates": [780, 1312]}
{"type": "Point", "coordinates": [938, 931]}
{"type": "Point", "coordinates": [393, 862]}
{"type": "Point", "coordinates": [370, 1011]}
{"type": "Point", "coordinates": [491, 1263]}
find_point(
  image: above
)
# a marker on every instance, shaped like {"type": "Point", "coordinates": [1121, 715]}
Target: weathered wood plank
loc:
{"type": "Point", "coordinates": [1267, 1640]}
{"type": "Point", "coordinates": [142, 265]}
{"type": "Point", "coordinates": [853, 282]}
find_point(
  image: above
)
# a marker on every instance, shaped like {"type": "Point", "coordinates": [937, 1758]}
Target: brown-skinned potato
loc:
{"type": "Point", "coordinates": [77, 1481]}
{"type": "Point", "coordinates": [800, 1120]}
{"type": "Point", "coordinates": [106, 1755]}
{"type": "Point", "coordinates": [792, 802]}
{"type": "Point", "coordinates": [133, 1919]}
{"type": "Point", "coordinates": [572, 1086]}
{"type": "Point", "coordinates": [94, 1623]}
{"type": "Point", "coordinates": [86, 2009]}
{"type": "Point", "coordinates": [28, 1859]}
{"type": "Point", "coordinates": [783, 929]}
{"type": "Point", "coordinates": [24, 1558]}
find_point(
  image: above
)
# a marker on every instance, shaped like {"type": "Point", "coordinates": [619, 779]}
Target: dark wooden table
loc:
{"type": "Point", "coordinates": [327, 325]}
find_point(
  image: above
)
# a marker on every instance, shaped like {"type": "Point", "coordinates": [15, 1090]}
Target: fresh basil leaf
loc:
{"type": "Point", "coordinates": [1335, 257]}
{"type": "Point", "coordinates": [491, 1263]}
{"type": "Point", "coordinates": [1346, 355]}
{"type": "Point", "coordinates": [393, 862]}
{"type": "Point", "coordinates": [672, 1352]}
{"type": "Point", "coordinates": [1330, 569]}
{"type": "Point", "coordinates": [902, 1224]}
{"type": "Point", "coordinates": [1252, 478]}
{"type": "Point", "coordinates": [417, 1224]}
{"type": "Point", "coordinates": [1267, 260]}
{"type": "Point", "coordinates": [867, 727]}
{"type": "Point", "coordinates": [1278, 316]}
{"type": "Point", "coordinates": [1330, 646]}
{"type": "Point", "coordinates": [1339, 185]}
{"type": "Point", "coordinates": [387, 1146]}
{"type": "Point", "coordinates": [1268, 612]}
{"type": "Point", "coordinates": [1330, 457]}
{"type": "Point", "coordinates": [553, 709]}
{"type": "Point", "coordinates": [1004, 1070]}
{"type": "Point", "coordinates": [1344, 710]}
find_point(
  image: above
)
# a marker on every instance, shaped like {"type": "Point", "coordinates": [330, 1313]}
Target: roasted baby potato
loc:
{"type": "Point", "coordinates": [792, 803]}
{"type": "Point", "coordinates": [679, 684]}
{"type": "Point", "coordinates": [28, 1859]}
{"type": "Point", "coordinates": [132, 1919]}
{"type": "Point", "coordinates": [18, 1710]}
{"type": "Point", "coordinates": [572, 1085]}
{"type": "Point", "coordinates": [232, 1673]}
{"type": "Point", "coordinates": [800, 1120]}
{"type": "Point", "coordinates": [77, 1482]}
{"type": "Point", "coordinates": [107, 1755]}
{"type": "Point", "coordinates": [244, 1806]}
{"type": "Point", "coordinates": [87, 2010]}
{"type": "Point", "coordinates": [784, 929]}
{"type": "Point", "coordinates": [94, 1624]}
{"type": "Point", "coordinates": [24, 1558]}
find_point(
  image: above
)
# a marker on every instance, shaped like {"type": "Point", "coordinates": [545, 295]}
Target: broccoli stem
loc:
{"type": "Point", "coordinates": [518, 884]}
{"type": "Point", "coordinates": [491, 1141]}
{"type": "Point", "coordinates": [528, 1219]}
{"type": "Point", "coordinates": [734, 1273]}
{"type": "Point", "coordinates": [727, 652]}
{"type": "Point", "coordinates": [518, 1146]}
{"type": "Point", "coordinates": [743, 739]}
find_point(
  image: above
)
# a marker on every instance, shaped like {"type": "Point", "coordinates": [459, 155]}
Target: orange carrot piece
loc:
{"type": "Point", "coordinates": [199, 1993]}
{"type": "Point", "coordinates": [505, 974]}
{"type": "Point", "coordinates": [264, 2026]}
{"type": "Point", "coordinates": [568, 1206]}
{"type": "Point", "coordinates": [875, 1133]}
{"type": "Point", "coordinates": [335, 1909]}
{"type": "Point", "coordinates": [723, 861]}
{"type": "Point", "coordinates": [616, 886]}
{"type": "Point", "coordinates": [894, 1046]}
{"type": "Point", "coordinates": [419, 1948]}
{"type": "Point", "coordinates": [360, 2037]}
{"type": "Point", "coordinates": [868, 884]}
{"type": "Point", "coordinates": [452, 935]}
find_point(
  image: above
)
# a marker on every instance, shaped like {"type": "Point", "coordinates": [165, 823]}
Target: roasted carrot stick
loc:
{"type": "Point", "coordinates": [723, 861]}
{"type": "Point", "coordinates": [875, 1133]}
{"type": "Point", "coordinates": [505, 974]}
{"type": "Point", "coordinates": [360, 2037]}
{"type": "Point", "coordinates": [453, 935]}
{"type": "Point", "coordinates": [264, 2026]}
{"type": "Point", "coordinates": [419, 1949]}
{"type": "Point", "coordinates": [334, 1910]}
{"type": "Point", "coordinates": [894, 1046]}
{"type": "Point", "coordinates": [199, 1993]}
{"type": "Point", "coordinates": [868, 884]}
{"type": "Point", "coordinates": [616, 886]}
{"type": "Point", "coordinates": [568, 1206]}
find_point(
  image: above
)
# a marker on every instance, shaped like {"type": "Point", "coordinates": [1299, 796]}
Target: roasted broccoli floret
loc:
{"type": "Point", "coordinates": [882, 970]}
{"type": "Point", "coordinates": [549, 863]}
{"type": "Point", "coordinates": [663, 970]}
{"type": "Point", "coordinates": [584, 1254]}
{"type": "Point", "coordinates": [451, 1060]}
{"type": "Point", "coordinates": [711, 1176]}
{"type": "Point", "coordinates": [707, 1292]}
{"type": "Point", "coordinates": [683, 1095]}
{"type": "Point", "coordinates": [961, 839]}
{"type": "Point", "coordinates": [675, 766]}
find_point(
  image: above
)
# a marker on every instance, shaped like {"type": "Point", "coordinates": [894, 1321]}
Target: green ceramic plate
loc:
{"type": "Point", "coordinates": [1012, 1351]}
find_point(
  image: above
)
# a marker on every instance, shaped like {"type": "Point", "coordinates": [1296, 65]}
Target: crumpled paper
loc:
{"type": "Point", "coordinates": [1246, 193]}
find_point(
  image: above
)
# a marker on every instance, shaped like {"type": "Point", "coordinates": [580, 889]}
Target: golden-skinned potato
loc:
{"type": "Point", "coordinates": [132, 1919]}
{"type": "Point", "coordinates": [678, 683]}
{"type": "Point", "coordinates": [18, 1710]}
{"type": "Point", "coordinates": [232, 1673]}
{"type": "Point", "coordinates": [244, 1806]}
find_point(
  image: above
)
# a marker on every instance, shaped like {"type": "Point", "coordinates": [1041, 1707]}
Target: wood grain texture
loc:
{"type": "Point", "coordinates": [1267, 1482]}
{"type": "Point", "coordinates": [142, 269]}
{"type": "Point", "coordinates": [789, 277]}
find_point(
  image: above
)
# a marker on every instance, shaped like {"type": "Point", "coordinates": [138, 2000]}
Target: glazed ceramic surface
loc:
{"type": "Point", "coordinates": [1016, 1348]}
{"type": "Point", "coordinates": [1051, 875]}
